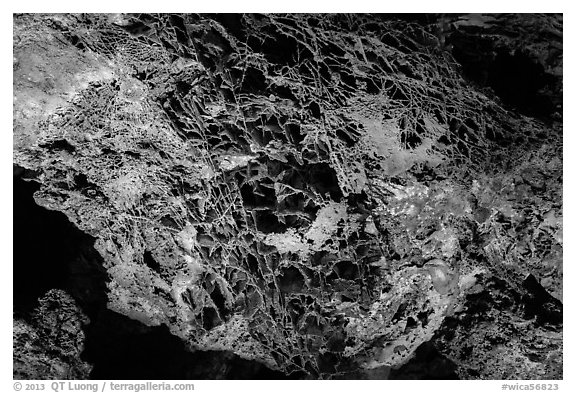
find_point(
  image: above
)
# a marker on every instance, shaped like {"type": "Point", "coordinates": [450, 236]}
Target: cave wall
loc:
{"type": "Point", "coordinates": [322, 194]}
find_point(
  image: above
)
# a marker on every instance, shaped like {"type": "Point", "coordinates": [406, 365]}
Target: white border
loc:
{"type": "Point", "coordinates": [420, 6]}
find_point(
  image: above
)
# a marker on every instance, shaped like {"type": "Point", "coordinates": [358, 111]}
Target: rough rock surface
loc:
{"type": "Point", "coordinates": [49, 345]}
{"type": "Point", "coordinates": [320, 193]}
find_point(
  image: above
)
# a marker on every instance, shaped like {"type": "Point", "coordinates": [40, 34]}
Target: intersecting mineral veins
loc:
{"type": "Point", "coordinates": [320, 193]}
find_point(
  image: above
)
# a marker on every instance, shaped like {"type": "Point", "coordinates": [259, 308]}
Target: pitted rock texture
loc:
{"type": "Point", "coordinates": [50, 344]}
{"type": "Point", "coordinates": [320, 193]}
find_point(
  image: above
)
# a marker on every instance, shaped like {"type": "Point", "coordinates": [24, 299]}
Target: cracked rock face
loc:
{"type": "Point", "coordinates": [49, 345]}
{"type": "Point", "coordinates": [323, 194]}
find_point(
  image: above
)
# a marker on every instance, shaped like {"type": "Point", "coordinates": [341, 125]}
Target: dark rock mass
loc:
{"type": "Point", "coordinates": [287, 196]}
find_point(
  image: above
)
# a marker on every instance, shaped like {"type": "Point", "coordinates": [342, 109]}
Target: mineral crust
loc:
{"type": "Point", "coordinates": [323, 194]}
